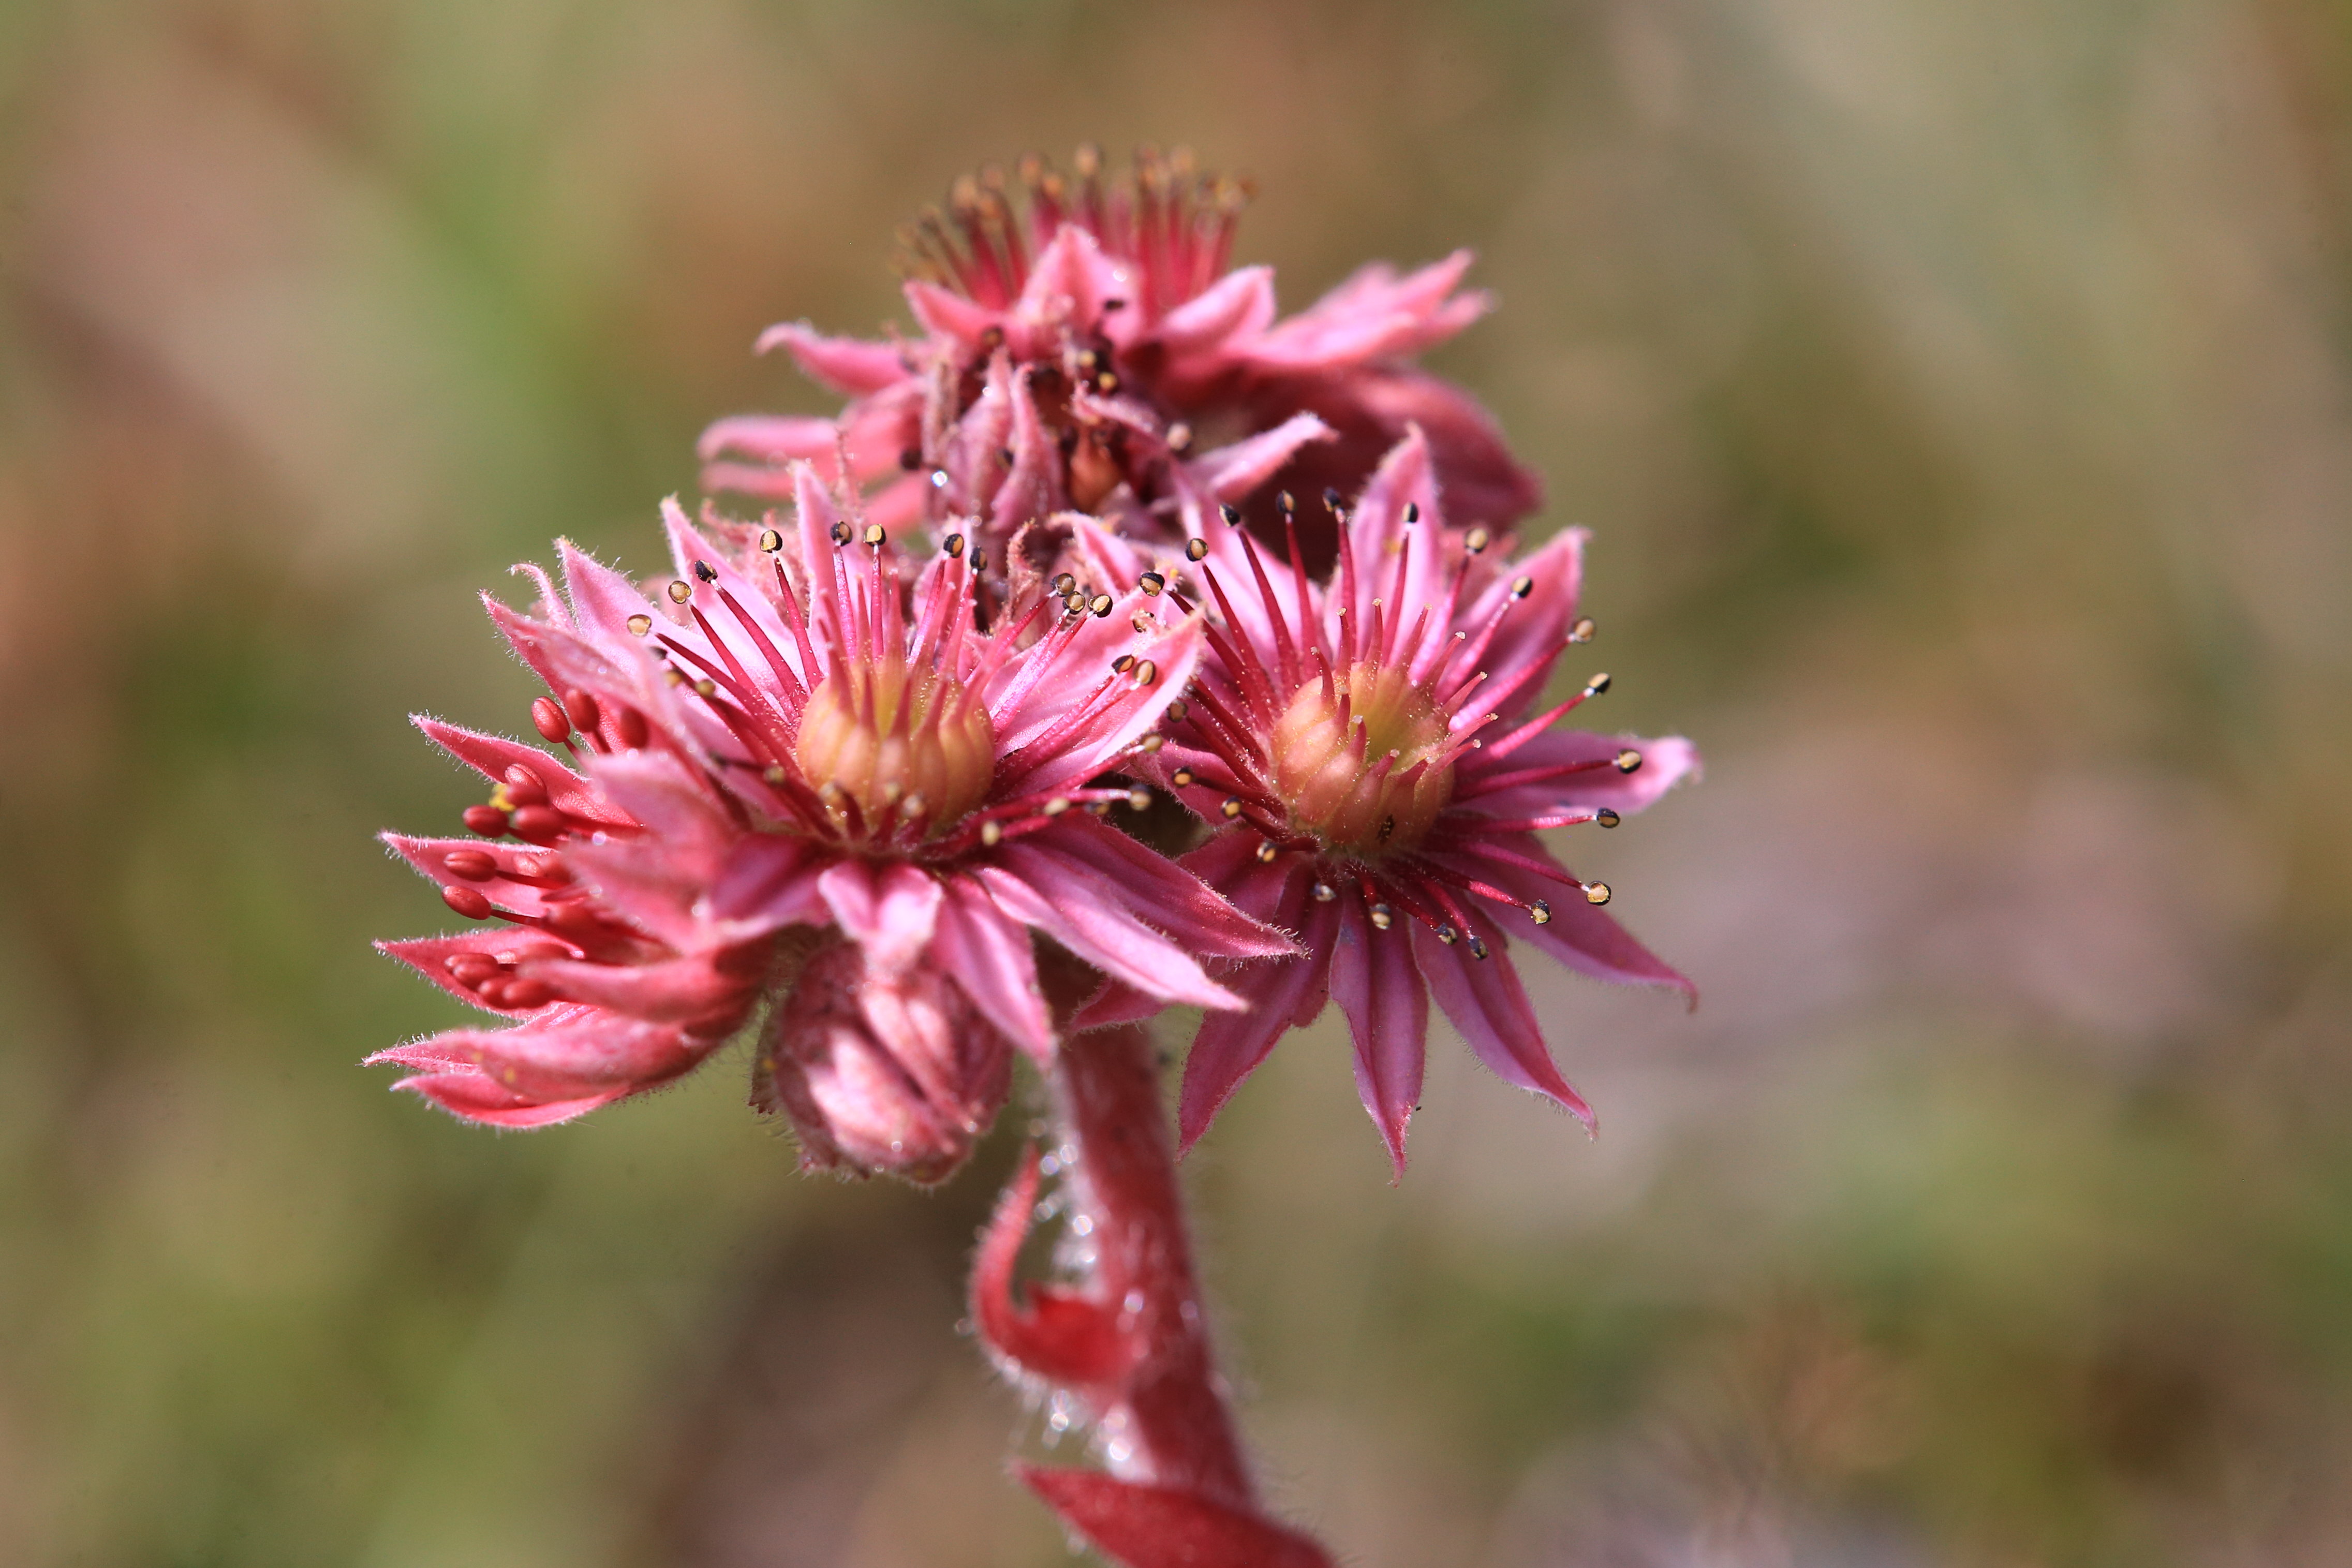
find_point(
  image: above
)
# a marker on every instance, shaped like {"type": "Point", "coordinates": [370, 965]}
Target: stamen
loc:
{"type": "Point", "coordinates": [679, 591]}
{"type": "Point", "coordinates": [640, 625]}
{"type": "Point", "coordinates": [1596, 892]}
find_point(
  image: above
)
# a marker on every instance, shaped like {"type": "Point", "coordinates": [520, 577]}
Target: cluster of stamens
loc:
{"type": "Point", "coordinates": [1174, 221]}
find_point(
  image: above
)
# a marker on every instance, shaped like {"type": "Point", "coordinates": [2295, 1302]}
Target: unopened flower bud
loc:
{"type": "Point", "coordinates": [881, 1073]}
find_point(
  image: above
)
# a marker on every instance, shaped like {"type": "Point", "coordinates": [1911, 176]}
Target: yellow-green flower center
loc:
{"type": "Point", "coordinates": [894, 738]}
{"type": "Point", "coordinates": [1365, 772]}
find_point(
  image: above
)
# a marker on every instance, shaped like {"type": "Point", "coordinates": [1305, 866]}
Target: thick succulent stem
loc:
{"type": "Point", "coordinates": [1127, 1341]}
{"type": "Point", "coordinates": [1172, 1425]}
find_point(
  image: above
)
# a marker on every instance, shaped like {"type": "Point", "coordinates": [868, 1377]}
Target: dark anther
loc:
{"type": "Point", "coordinates": [1232, 514]}
{"type": "Point", "coordinates": [1151, 583]}
{"type": "Point", "coordinates": [842, 533]}
{"type": "Point", "coordinates": [1195, 549]}
{"type": "Point", "coordinates": [954, 545]}
{"type": "Point", "coordinates": [706, 570]}
{"type": "Point", "coordinates": [770, 540]}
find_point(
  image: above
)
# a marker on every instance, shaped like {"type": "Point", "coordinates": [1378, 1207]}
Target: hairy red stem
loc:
{"type": "Point", "coordinates": [1173, 1418]}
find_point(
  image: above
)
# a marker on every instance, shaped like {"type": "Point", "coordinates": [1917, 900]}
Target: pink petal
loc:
{"type": "Point", "coordinates": [602, 600]}
{"type": "Point", "coordinates": [1377, 531]}
{"type": "Point", "coordinates": [1065, 292]}
{"type": "Point", "coordinates": [690, 550]}
{"type": "Point", "coordinates": [1231, 472]}
{"type": "Point", "coordinates": [1533, 626]}
{"type": "Point", "coordinates": [675, 991]}
{"type": "Point", "coordinates": [1239, 304]}
{"type": "Point", "coordinates": [1578, 935]}
{"type": "Point", "coordinates": [1145, 1526]}
{"type": "Point", "coordinates": [1156, 890]}
{"type": "Point", "coordinates": [1665, 763]}
{"type": "Point", "coordinates": [428, 857]}
{"type": "Point", "coordinates": [988, 955]}
{"type": "Point", "coordinates": [492, 755]}
{"type": "Point", "coordinates": [1282, 993]}
{"type": "Point", "coordinates": [1041, 891]}
{"type": "Point", "coordinates": [1376, 984]}
{"type": "Point", "coordinates": [890, 910]}
{"type": "Point", "coordinates": [848, 365]}
{"type": "Point", "coordinates": [1487, 1003]}
{"type": "Point", "coordinates": [471, 1095]}
{"type": "Point", "coordinates": [946, 314]}
{"type": "Point", "coordinates": [1373, 315]}
{"type": "Point", "coordinates": [430, 955]}
{"type": "Point", "coordinates": [770, 439]}
{"type": "Point", "coordinates": [1032, 486]}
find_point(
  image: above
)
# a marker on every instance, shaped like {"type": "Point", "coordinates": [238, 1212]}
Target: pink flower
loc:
{"type": "Point", "coordinates": [1367, 739]}
{"type": "Point", "coordinates": [1079, 348]}
{"type": "Point", "coordinates": [852, 790]}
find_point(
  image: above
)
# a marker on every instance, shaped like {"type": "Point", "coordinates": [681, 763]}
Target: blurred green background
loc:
{"type": "Point", "coordinates": [1960, 392]}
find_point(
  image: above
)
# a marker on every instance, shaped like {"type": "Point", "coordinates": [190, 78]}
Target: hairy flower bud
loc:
{"type": "Point", "coordinates": [880, 1072]}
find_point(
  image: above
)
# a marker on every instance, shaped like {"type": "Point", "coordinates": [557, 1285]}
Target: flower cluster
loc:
{"type": "Point", "coordinates": [841, 773]}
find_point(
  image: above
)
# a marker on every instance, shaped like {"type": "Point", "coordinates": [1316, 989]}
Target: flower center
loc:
{"type": "Point", "coordinates": [895, 738]}
{"type": "Point", "coordinates": [1367, 772]}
